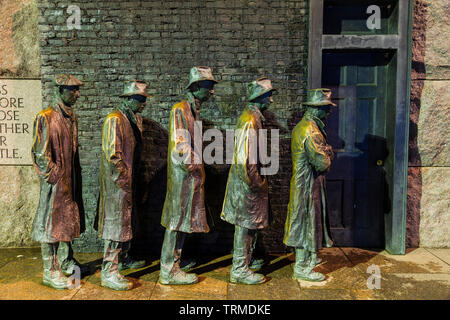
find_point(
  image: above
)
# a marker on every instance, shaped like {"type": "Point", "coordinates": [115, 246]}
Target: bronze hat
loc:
{"type": "Point", "coordinates": [67, 80]}
{"type": "Point", "coordinates": [135, 87]}
{"type": "Point", "coordinates": [319, 97]}
{"type": "Point", "coordinates": [259, 87]}
{"type": "Point", "coordinates": [200, 74]}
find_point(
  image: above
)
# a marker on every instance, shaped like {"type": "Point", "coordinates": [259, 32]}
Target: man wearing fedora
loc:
{"type": "Point", "coordinates": [184, 207]}
{"type": "Point", "coordinates": [307, 226]}
{"type": "Point", "coordinates": [54, 152]}
{"type": "Point", "coordinates": [121, 148]}
{"type": "Point", "coordinates": [246, 203]}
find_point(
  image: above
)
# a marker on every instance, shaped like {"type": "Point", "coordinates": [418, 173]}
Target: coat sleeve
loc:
{"type": "Point", "coordinates": [319, 153]}
{"type": "Point", "coordinates": [112, 147]}
{"type": "Point", "coordinates": [41, 152]}
{"type": "Point", "coordinates": [255, 180]}
{"type": "Point", "coordinates": [182, 147]}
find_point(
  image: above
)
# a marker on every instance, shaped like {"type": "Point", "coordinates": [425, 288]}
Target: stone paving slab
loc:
{"type": "Point", "coordinates": [339, 271]}
{"type": "Point", "coordinates": [274, 289]}
{"type": "Point", "coordinates": [278, 267]}
{"type": "Point", "coordinates": [325, 294]}
{"type": "Point", "coordinates": [278, 271]}
{"type": "Point", "coordinates": [364, 294]}
{"type": "Point", "coordinates": [420, 274]}
{"type": "Point", "coordinates": [150, 272]}
{"type": "Point", "coordinates": [205, 289]}
{"type": "Point", "coordinates": [32, 290]}
{"type": "Point", "coordinates": [92, 290]}
{"type": "Point", "coordinates": [443, 254]}
{"type": "Point", "coordinates": [415, 261]}
{"type": "Point", "coordinates": [419, 257]}
{"type": "Point", "coordinates": [21, 277]}
{"type": "Point", "coordinates": [22, 268]}
{"type": "Point", "coordinates": [396, 286]}
{"type": "Point", "coordinates": [7, 255]}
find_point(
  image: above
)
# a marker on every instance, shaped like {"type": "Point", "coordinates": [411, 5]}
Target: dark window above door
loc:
{"type": "Point", "coordinates": [350, 17]}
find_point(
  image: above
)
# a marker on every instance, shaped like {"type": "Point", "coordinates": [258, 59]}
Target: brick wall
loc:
{"type": "Point", "coordinates": [159, 41]}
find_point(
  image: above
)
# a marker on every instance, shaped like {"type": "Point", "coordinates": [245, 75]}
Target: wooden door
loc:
{"type": "Point", "coordinates": [357, 186]}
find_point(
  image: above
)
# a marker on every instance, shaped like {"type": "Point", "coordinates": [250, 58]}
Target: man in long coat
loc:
{"type": "Point", "coordinates": [184, 207]}
{"type": "Point", "coordinates": [54, 152]}
{"type": "Point", "coordinates": [121, 147]}
{"type": "Point", "coordinates": [307, 226]}
{"type": "Point", "coordinates": [246, 203]}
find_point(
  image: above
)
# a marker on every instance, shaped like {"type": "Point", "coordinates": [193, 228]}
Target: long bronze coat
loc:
{"type": "Point", "coordinates": [53, 151]}
{"type": "Point", "coordinates": [184, 207]}
{"type": "Point", "coordinates": [307, 223]}
{"type": "Point", "coordinates": [246, 201]}
{"type": "Point", "coordinates": [121, 140]}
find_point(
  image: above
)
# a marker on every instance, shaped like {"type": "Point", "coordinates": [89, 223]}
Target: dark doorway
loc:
{"type": "Point", "coordinates": [363, 86]}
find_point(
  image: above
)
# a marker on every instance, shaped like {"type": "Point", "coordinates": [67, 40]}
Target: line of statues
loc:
{"type": "Point", "coordinates": [246, 205]}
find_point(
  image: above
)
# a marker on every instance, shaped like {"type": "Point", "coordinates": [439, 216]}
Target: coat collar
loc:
{"type": "Point", "coordinates": [255, 109]}
{"type": "Point", "coordinates": [66, 111]}
{"type": "Point", "coordinates": [131, 116]}
{"type": "Point", "coordinates": [318, 122]}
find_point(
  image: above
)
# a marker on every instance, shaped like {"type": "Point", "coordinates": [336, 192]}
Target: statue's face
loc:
{"type": "Point", "coordinates": [204, 90]}
{"type": "Point", "coordinates": [69, 94]}
{"type": "Point", "coordinates": [323, 111]}
{"type": "Point", "coordinates": [137, 103]}
{"type": "Point", "coordinates": [265, 100]}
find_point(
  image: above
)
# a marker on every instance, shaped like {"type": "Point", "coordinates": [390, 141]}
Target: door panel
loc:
{"type": "Point", "coordinates": [356, 130]}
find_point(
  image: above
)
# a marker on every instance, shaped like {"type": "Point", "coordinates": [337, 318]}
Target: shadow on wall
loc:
{"type": "Point", "coordinates": [151, 192]}
{"type": "Point", "coordinates": [151, 188]}
{"type": "Point", "coordinates": [418, 76]}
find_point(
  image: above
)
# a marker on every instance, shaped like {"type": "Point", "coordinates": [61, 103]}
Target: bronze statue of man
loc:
{"type": "Point", "coordinates": [184, 207]}
{"type": "Point", "coordinates": [246, 203]}
{"type": "Point", "coordinates": [121, 148]}
{"type": "Point", "coordinates": [307, 226]}
{"type": "Point", "coordinates": [54, 152]}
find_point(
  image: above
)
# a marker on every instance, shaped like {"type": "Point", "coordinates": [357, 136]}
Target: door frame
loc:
{"type": "Point", "coordinates": [395, 221]}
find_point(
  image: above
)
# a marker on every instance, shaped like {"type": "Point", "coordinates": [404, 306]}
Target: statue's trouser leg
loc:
{"type": "Point", "coordinates": [301, 259]}
{"type": "Point", "coordinates": [111, 254]}
{"type": "Point", "coordinates": [171, 252]}
{"type": "Point", "coordinates": [171, 272]}
{"type": "Point", "coordinates": [255, 262]}
{"type": "Point", "coordinates": [242, 254]}
{"type": "Point", "coordinates": [123, 255]}
{"type": "Point", "coordinates": [65, 257]}
{"type": "Point", "coordinates": [125, 261]}
{"type": "Point", "coordinates": [110, 267]}
{"type": "Point", "coordinates": [305, 261]}
{"type": "Point", "coordinates": [52, 275]}
{"type": "Point", "coordinates": [243, 243]}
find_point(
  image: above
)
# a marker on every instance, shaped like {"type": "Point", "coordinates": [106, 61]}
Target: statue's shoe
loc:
{"type": "Point", "coordinates": [115, 281]}
{"type": "Point", "coordinates": [309, 276]}
{"type": "Point", "coordinates": [187, 264]}
{"type": "Point", "coordinates": [256, 264]}
{"type": "Point", "coordinates": [248, 277]}
{"type": "Point", "coordinates": [56, 279]}
{"type": "Point", "coordinates": [131, 264]}
{"type": "Point", "coordinates": [69, 267]}
{"type": "Point", "coordinates": [179, 277]}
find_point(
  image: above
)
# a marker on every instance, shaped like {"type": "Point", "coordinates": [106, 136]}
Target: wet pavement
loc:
{"type": "Point", "coordinates": [352, 274]}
